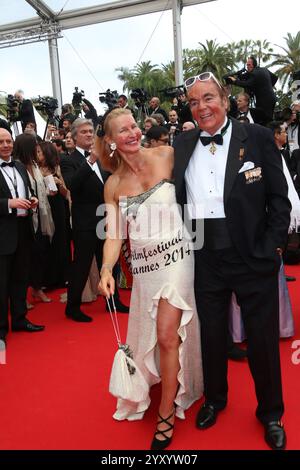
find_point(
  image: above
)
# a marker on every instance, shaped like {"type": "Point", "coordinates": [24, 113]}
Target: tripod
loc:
{"type": "Point", "coordinates": [51, 119]}
{"type": "Point", "coordinates": [142, 113]}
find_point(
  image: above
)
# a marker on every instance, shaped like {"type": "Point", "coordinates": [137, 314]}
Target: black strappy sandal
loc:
{"type": "Point", "coordinates": [158, 444]}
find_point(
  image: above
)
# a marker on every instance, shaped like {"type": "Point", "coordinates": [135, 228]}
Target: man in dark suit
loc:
{"type": "Point", "coordinates": [26, 112]}
{"type": "Point", "coordinates": [254, 115]}
{"type": "Point", "coordinates": [237, 176]}
{"type": "Point", "coordinates": [85, 179]}
{"type": "Point", "coordinates": [260, 81]}
{"type": "Point", "coordinates": [16, 236]}
{"type": "Point", "coordinates": [154, 108]}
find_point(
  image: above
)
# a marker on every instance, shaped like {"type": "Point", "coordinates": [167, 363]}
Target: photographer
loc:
{"type": "Point", "coordinates": [66, 109]}
{"type": "Point", "coordinates": [260, 82]}
{"type": "Point", "coordinates": [89, 111]}
{"type": "Point", "coordinates": [26, 112]}
{"type": "Point", "coordinates": [110, 98]}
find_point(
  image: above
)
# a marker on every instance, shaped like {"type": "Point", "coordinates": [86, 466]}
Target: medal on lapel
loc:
{"type": "Point", "coordinates": [212, 148]}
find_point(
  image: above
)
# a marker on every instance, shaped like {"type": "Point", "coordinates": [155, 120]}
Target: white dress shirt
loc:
{"type": "Point", "coordinates": [9, 173]}
{"type": "Point", "coordinates": [293, 137]}
{"type": "Point", "coordinates": [94, 166]}
{"type": "Point", "coordinates": [205, 177]}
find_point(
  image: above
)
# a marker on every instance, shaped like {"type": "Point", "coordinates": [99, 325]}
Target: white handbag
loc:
{"type": "Point", "coordinates": [126, 379]}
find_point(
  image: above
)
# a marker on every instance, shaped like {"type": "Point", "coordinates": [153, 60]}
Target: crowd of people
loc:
{"type": "Point", "coordinates": [214, 159]}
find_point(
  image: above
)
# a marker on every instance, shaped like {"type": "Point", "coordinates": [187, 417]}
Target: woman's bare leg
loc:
{"type": "Point", "coordinates": [168, 321]}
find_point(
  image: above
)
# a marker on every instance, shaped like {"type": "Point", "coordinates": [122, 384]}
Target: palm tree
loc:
{"type": "Point", "coordinates": [211, 57]}
{"type": "Point", "coordinates": [289, 62]}
{"type": "Point", "coordinates": [147, 76]}
{"type": "Point", "coordinates": [126, 75]}
{"type": "Point", "coordinates": [241, 50]}
{"type": "Point", "coordinates": [262, 50]}
{"type": "Point", "coordinates": [168, 71]}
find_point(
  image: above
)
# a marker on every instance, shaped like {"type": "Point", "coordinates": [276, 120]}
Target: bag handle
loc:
{"type": "Point", "coordinates": [114, 319]}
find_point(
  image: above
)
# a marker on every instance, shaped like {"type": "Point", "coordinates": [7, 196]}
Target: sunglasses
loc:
{"type": "Point", "coordinates": [203, 77]}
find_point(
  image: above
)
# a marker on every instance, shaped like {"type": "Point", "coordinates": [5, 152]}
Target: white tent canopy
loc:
{"type": "Point", "coordinates": [48, 24]}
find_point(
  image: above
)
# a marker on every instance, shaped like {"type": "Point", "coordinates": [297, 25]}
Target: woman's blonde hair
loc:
{"type": "Point", "coordinates": [102, 147]}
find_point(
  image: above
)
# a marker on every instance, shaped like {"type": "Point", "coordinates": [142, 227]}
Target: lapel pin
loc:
{"type": "Point", "coordinates": [241, 154]}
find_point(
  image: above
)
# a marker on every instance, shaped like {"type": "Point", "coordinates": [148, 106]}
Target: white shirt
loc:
{"type": "Point", "coordinates": [205, 177]}
{"type": "Point", "coordinates": [9, 173]}
{"type": "Point", "coordinates": [293, 137]}
{"type": "Point", "coordinates": [250, 117]}
{"type": "Point", "coordinates": [293, 197]}
{"type": "Point", "coordinates": [93, 166]}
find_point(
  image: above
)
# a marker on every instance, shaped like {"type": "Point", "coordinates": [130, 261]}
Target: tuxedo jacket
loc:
{"type": "Point", "coordinates": [8, 221]}
{"type": "Point", "coordinates": [87, 190]}
{"type": "Point", "coordinates": [257, 211]}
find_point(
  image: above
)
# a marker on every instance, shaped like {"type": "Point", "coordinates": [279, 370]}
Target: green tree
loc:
{"type": "Point", "coordinates": [262, 50]}
{"type": "Point", "coordinates": [209, 57]}
{"type": "Point", "coordinates": [126, 76]}
{"type": "Point", "coordinates": [289, 61]}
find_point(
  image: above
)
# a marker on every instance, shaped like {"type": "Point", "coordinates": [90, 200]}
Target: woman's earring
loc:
{"type": "Point", "coordinates": [113, 147]}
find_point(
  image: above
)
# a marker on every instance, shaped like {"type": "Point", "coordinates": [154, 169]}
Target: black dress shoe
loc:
{"type": "Point", "coordinates": [121, 308]}
{"type": "Point", "coordinates": [275, 435]}
{"type": "Point", "coordinates": [29, 327]}
{"type": "Point", "coordinates": [237, 354]}
{"type": "Point", "coordinates": [79, 316]}
{"type": "Point", "coordinates": [290, 278]}
{"type": "Point", "coordinates": [206, 417]}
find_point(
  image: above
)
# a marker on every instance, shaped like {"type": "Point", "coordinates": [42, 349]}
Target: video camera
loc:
{"type": "Point", "coordinates": [13, 108]}
{"type": "Point", "coordinates": [109, 97]}
{"type": "Point", "coordinates": [140, 96]}
{"type": "Point", "coordinates": [47, 105]}
{"type": "Point", "coordinates": [242, 74]}
{"type": "Point", "coordinates": [173, 92]}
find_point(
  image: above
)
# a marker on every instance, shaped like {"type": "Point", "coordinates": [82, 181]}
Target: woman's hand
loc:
{"type": "Point", "coordinates": [107, 283]}
{"type": "Point", "coordinates": [58, 182]}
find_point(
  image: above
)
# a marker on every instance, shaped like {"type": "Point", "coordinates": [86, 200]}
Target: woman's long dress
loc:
{"type": "Point", "coordinates": [163, 268]}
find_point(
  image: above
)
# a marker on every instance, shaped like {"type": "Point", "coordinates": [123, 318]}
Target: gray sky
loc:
{"type": "Point", "coordinates": [106, 46]}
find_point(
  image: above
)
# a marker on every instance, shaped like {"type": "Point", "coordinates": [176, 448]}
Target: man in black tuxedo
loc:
{"type": "Point", "coordinates": [254, 115]}
{"type": "Point", "coordinates": [237, 176]}
{"type": "Point", "coordinates": [16, 236]}
{"type": "Point", "coordinates": [260, 81]}
{"type": "Point", "coordinates": [85, 179]}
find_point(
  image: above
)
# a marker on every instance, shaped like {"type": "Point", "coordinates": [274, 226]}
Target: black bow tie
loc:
{"type": "Point", "coordinates": [206, 140]}
{"type": "Point", "coordinates": [87, 153]}
{"type": "Point", "coordinates": [217, 139]}
{"type": "Point", "coordinates": [3, 164]}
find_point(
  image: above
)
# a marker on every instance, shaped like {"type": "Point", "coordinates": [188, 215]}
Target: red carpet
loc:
{"type": "Point", "coordinates": [54, 390]}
